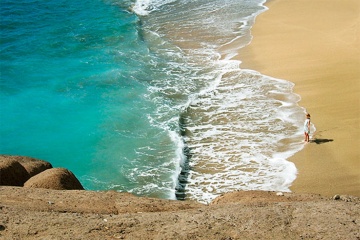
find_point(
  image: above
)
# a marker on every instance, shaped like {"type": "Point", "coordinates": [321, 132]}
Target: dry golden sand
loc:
{"type": "Point", "coordinates": [316, 45]}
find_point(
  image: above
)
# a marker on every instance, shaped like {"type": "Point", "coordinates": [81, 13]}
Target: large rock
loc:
{"type": "Point", "coordinates": [33, 166]}
{"type": "Point", "coordinates": [12, 173]}
{"type": "Point", "coordinates": [55, 178]}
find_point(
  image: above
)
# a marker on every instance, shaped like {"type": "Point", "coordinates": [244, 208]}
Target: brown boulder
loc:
{"type": "Point", "coordinates": [33, 166]}
{"type": "Point", "coordinates": [55, 178]}
{"type": "Point", "coordinates": [12, 173]}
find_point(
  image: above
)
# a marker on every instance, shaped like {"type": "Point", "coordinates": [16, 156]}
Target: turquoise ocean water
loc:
{"type": "Point", "coordinates": [144, 96]}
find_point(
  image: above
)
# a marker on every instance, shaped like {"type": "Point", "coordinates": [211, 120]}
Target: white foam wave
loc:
{"type": "Point", "coordinates": [144, 7]}
{"type": "Point", "coordinates": [240, 125]}
{"type": "Point", "coordinates": [236, 135]}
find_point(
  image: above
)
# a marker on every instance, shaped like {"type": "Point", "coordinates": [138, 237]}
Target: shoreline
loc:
{"type": "Point", "coordinates": [314, 45]}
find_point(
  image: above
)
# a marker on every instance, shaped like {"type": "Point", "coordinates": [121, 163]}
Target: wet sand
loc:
{"type": "Point", "coordinates": [315, 44]}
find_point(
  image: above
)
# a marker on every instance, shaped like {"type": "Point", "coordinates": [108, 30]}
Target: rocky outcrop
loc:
{"type": "Point", "coordinates": [33, 173]}
{"type": "Point", "coordinates": [33, 166]}
{"type": "Point", "coordinates": [34, 213]}
{"type": "Point", "coordinates": [55, 178]}
{"type": "Point", "coordinates": [257, 197]}
{"type": "Point", "coordinates": [12, 173]}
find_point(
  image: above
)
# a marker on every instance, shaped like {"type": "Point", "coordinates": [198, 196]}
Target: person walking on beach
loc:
{"type": "Point", "coordinates": [307, 128]}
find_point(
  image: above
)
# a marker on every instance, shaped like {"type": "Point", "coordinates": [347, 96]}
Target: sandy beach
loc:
{"type": "Point", "coordinates": [315, 44]}
{"type": "Point", "coordinates": [311, 43]}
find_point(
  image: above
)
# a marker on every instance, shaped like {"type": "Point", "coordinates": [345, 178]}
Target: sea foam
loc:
{"type": "Point", "coordinates": [239, 127]}
{"type": "Point", "coordinates": [144, 7]}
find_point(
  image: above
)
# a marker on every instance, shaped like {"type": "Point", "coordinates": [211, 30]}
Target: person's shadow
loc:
{"type": "Point", "coordinates": [321, 140]}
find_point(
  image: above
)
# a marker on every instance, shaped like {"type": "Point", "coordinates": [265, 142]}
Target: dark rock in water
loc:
{"type": "Point", "coordinates": [55, 178]}
{"type": "Point", "coordinates": [12, 173]}
{"type": "Point", "coordinates": [180, 195]}
{"type": "Point", "coordinates": [33, 166]}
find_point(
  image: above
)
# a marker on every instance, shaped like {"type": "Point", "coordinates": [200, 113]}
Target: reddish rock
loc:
{"type": "Point", "coordinates": [55, 178]}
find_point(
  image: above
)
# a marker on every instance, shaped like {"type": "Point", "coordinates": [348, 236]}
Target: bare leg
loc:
{"type": "Point", "coordinates": [307, 137]}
